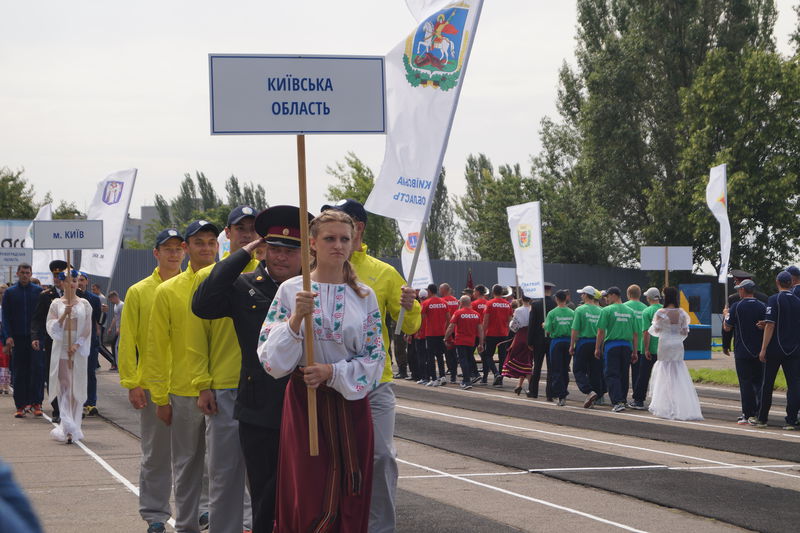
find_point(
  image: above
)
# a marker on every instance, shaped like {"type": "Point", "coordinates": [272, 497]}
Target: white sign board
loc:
{"type": "Point", "coordinates": [507, 276]}
{"type": "Point", "coordinates": [279, 94]}
{"type": "Point", "coordinates": [12, 257]}
{"type": "Point", "coordinates": [12, 233]}
{"type": "Point", "coordinates": [678, 257]}
{"type": "Point", "coordinates": [67, 234]}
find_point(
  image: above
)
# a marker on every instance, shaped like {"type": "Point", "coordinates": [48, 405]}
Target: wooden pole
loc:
{"type": "Point", "coordinates": [305, 253]}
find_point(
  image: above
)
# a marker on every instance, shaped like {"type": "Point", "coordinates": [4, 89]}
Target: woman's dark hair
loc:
{"type": "Point", "coordinates": [671, 297]}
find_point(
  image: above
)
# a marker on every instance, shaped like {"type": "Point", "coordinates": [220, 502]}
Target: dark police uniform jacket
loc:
{"type": "Point", "coordinates": [39, 319]}
{"type": "Point", "coordinates": [536, 336]}
{"type": "Point", "coordinates": [727, 336]}
{"type": "Point", "coordinates": [245, 298]}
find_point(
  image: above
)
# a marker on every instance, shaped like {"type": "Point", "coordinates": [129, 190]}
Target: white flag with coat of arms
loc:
{"type": "Point", "coordinates": [423, 277]}
{"type": "Point", "coordinates": [110, 204]}
{"type": "Point", "coordinates": [525, 223]}
{"type": "Point", "coordinates": [717, 200]}
{"type": "Point", "coordinates": [424, 76]}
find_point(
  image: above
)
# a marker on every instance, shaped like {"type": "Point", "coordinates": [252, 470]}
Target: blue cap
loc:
{"type": "Point", "coordinates": [63, 275]}
{"type": "Point", "coordinates": [167, 234]}
{"type": "Point", "coordinates": [794, 271]}
{"type": "Point", "coordinates": [199, 225]}
{"type": "Point", "coordinates": [783, 277]}
{"type": "Point", "coordinates": [746, 284]}
{"type": "Point", "coordinates": [84, 274]}
{"type": "Point", "coordinates": [239, 212]}
{"type": "Point", "coordinates": [614, 290]}
{"type": "Point", "coordinates": [352, 207]}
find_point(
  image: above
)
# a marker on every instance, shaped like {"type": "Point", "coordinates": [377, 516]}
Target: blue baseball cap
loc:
{"type": "Point", "coordinates": [783, 277]}
{"type": "Point", "coordinates": [748, 284]}
{"type": "Point", "coordinates": [794, 271]}
{"type": "Point", "coordinates": [199, 225]}
{"type": "Point", "coordinates": [240, 212]}
{"type": "Point", "coordinates": [165, 235]}
{"type": "Point", "coordinates": [354, 208]}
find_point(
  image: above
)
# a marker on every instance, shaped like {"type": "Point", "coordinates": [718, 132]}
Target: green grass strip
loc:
{"type": "Point", "coordinates": [728, 377]}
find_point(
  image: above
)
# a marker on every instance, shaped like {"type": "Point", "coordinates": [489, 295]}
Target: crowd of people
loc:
{"type": "Point", "coordinates": [215, 359]}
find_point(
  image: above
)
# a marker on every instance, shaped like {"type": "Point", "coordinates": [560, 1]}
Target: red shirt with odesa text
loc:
{"type": "Point", "coordinates": [499, 312]}
{"type": "Point", "coordinates": [434, 312]}
{"type": "Point", "coordinates": [479, 305]}
{"type": "Point", "coordinates": [466, 322]}
{"type": "Point", "coordinates": [452, 303]}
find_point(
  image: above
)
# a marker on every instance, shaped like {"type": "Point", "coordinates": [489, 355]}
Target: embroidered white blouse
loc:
{"type": "Point", "coordinates": [347, 334]}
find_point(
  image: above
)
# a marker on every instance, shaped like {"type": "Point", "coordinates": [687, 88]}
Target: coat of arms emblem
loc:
{"type": "Point", "coordinates": [411, 241]}
{"type": "Point", "coordinates": [435, 52]}
{"type": "Point", "coordinates": [112, 193]}
{"type": "Point", "coordinates": [524, 236]}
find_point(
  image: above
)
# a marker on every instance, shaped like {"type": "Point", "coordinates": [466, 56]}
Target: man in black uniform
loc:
{"type": "Point", "coordinates": [246, 298]}
{"type": "Point", "coordinates": [539, 343]}
{"type": "Point", "coordinates": [40, 339]}
{"type": "Point", "coordinates": [738, 277]}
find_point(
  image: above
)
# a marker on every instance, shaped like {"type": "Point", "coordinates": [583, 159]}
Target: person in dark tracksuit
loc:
{"type": "Point", "coordinates": [19, 302]}
{"type": "Point", "coordinates": [246, 298]}
{"type": "Point", "coordinates": [648, 347]}
{"type": "Point", "coordinates": [743, 318]}
{"type": "Point", "coordinates": [738, 277]}
{"type": "Point", "coordinates": [780, 348]}
{"type": "Point", "coordinates": [539, 343]}
{"type": "Point", "coordinates": [587, 369]}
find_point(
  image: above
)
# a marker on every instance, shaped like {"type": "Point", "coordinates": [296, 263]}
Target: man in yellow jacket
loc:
{"type": "Point", "coordinates": [215, 361]}
{"type": "Point", "coordinates": [155, 475]}
{"type": "Point", "coordinates": [167, 371]}
{"type": "Point", "coordinates": [393, 294]}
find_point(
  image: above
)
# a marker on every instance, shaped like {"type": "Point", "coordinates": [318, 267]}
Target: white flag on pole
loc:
{"type": "Point", "coordinates": [717, 200]}
{"type": "Point", "coordinates": [42, 258]}
{"type": "Point", "coordinates": [224, 245]}
{"type": "Point", "coordinates": [423, 277]}
{"type": "Point", "coordinates": [524, 220]}
{"type": "Point", "coordinates": [110, 204]}
{"type": "Point", "coordinates": [424, 76]}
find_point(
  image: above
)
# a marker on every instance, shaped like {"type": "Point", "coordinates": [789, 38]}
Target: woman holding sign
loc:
{"type": "Point", "coordinates": [324, 492]}
{"type": "Point", "coordinates": [69, 323]}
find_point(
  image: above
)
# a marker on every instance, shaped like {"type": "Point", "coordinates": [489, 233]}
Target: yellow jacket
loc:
{"type": "Point", "coordinates": [212, 346]}
{"type": "Point", "coordinates": [165, 369]}
{"type": "Point", "coordinates": [133, 329]}
{"type": "Point", "coordinates": [387, 282]}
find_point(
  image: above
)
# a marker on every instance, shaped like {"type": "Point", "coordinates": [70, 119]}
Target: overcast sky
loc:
{"type": "Point", "coordinates": [87, 88]}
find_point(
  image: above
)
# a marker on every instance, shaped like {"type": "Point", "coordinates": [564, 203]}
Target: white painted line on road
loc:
{"type": "Point", "coordinates": [479, 474]}
{"type": "Point", "coordinates": [524, 497]}
{"type": "Point", "coordinates": [651, 418]}
{"type": "Point", "coordinates": [595, 468]}
{"type": "Point", "coordinates": [110, 469]}
{"type": "Point", "coordinates": [576, 437]}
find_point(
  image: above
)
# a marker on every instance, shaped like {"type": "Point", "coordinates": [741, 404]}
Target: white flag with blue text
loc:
{"type": "Point", "coordinates": [717, 200]}
{"type": "Point", "coordinates": [110, 204]}
{"type": "Point", "coordinates": [525, 223]}
{"type": "Point", "coordinates": [424, 76]}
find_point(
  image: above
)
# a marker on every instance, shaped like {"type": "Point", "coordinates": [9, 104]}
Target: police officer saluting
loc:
{"type": "Point", "coordinates": [781, 348]}
{"type": "Point", "coordinates": [246, 299]}
{"type": "Point", "coordinates": [743, 319]}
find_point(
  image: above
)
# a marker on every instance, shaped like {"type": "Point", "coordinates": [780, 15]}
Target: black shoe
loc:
{"type": "Point", "coordinates": [498, 381]}
{"type": "Point", "coordinates": [531, 394]}
{"type": "Point", "coordinates": [518, 390]}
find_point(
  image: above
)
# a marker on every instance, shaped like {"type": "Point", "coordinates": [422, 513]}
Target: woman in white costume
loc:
{"type": "Point", "coordinates": [673, 395]}
{"type": "Point", "coordinates": [69, 323]}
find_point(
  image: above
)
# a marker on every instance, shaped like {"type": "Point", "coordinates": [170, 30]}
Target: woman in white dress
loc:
{"type": "Point", "coordinates": [69, 323]}
{"type": "Point", "coordinates": [673, 395]}
{"type": "Point", "coordinates": [331, 491]}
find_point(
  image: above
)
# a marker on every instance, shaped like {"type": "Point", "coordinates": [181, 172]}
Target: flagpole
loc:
{"type": "Point", "coordinates": [305, 257]}
{"type": "Point", "coordinates": [399, 327]}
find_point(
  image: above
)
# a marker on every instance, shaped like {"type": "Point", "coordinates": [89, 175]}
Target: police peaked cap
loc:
{"type": "Point", "coordinates": [280, 225]}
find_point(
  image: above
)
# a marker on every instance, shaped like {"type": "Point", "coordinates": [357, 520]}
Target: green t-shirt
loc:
{"type": "Point", "coordinates": [559, 322]}
{"type": "Point", "coordinates": [647, 321]}
{"type": "Point", "coordinates": [619, 323]}
{"type": "Point", "coordinates": [638, 308]}
{"type": "Point", "coordinates": [585, 321]}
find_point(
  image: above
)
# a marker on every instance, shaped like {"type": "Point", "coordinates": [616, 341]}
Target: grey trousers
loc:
{"type": "Point", "coordinates": [188, 461]}
{"type": "Point", "coordinates": [226, 470]}
{"type": "Point", "coordinates": [155, 475]}
{"type": "Point", "coordinates": [384, 475]}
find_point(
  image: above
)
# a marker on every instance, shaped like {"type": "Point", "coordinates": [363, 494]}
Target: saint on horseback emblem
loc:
{"type": "Point", "coordinates": [434, 53]}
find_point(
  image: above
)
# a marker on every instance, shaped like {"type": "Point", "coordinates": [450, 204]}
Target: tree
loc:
{"type": "Point", "coordinates": [622, 102]}
{"type": "Point", "coordinates": [16, 195]}
{"type": "Point", "coordinates": [185, 203]}
{"type": "Point", "coordinates": [743, 109]}
{"type": "Point", "coordinates": [796, 34]}
{"type": "Point", "coordinates": [208, 196]}
{"type": "Point", "coordinates": [252, 195]}
{"type": "Point", "coordinates": [442, 231]}
{"type": "Point", "coordinates": [355, 180]}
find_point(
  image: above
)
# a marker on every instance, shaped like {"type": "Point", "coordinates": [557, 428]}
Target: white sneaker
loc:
{"type": "Point", "coordinates": [422, 382]}
{"type": "Point", "coordinates": [562, 402]}
{"type": "Point", "coordinates": [430, 383]}
{"type": "Point", "coordinates": [618, 408]}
